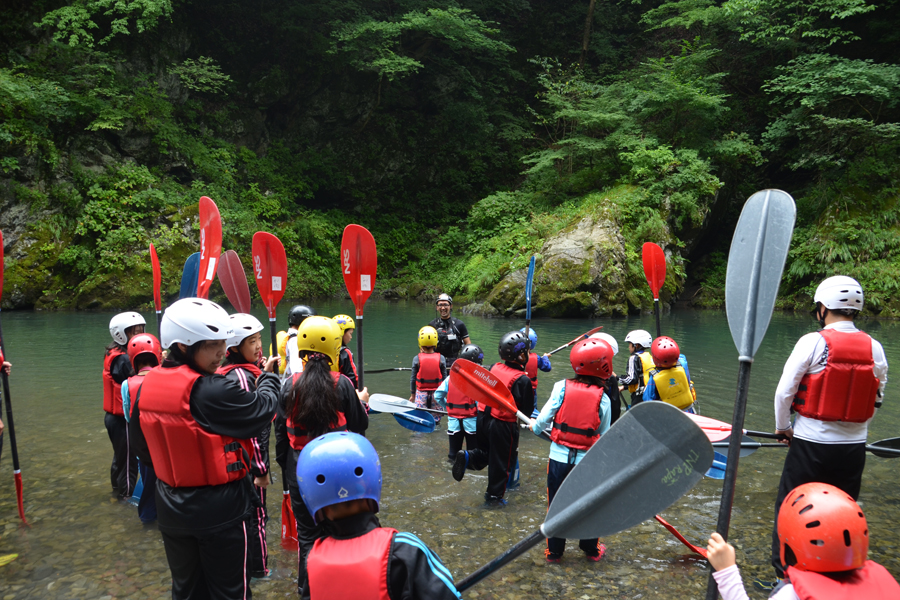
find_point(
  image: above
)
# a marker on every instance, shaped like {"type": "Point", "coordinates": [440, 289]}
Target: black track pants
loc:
{"type": "Point", "coordinates": [258, 561]}
{"type": "Point", "coordinates": [209, 566]}
{"type": "Point", "coordinates": [307, 530]}
{"type": "Point", "coordinates": [124, 469]}
{"type": "Point", "coordinates": [840, 465]}
{"type": "Point", "coordinates": [556, 474]}
{"type": "Point", "coordinates": [502, 456]}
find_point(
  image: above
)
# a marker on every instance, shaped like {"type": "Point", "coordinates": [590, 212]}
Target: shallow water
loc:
{"type": "Point", "coordinates": [83, 544]}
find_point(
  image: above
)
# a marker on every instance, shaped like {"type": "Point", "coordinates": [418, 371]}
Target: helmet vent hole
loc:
{"type": "Point", "coordinates": [806, 508]}
{"type": "Point", "coordinates": [817, 542]}
{"type": "Point", "coordinates": [323, 338]}
{"type": "Point", "coordinates": [359, 472]}
{"type": "Point", "coordinates": [213, 329]}
{"type": "Point", "coordinates": [320, 478]}
{"type": "Point", "coordinates": [798, 499]}
{"type": "Point", "coordinates": [812, 524]}
{"type": "Point", "coordinates": [847, 538]}
{"type": "Point", "coordinates": [790, 559]}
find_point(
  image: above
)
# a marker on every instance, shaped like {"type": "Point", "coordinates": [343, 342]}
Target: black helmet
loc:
{"type": "Point", "coordinates": [444, 298]}
{"type": "Point", "coordinates": [473, 353]}
{"type": "Point", "coordinates": [298, 313]}
{"type": "Point", "coordinates": [512, 345]}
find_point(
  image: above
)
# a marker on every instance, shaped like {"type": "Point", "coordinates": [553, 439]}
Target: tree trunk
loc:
{"type": "Point", "coordinates": [587, 32]}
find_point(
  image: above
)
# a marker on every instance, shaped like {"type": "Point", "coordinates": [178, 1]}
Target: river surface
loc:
{"type": "Point", "coordinates": [83, 544]}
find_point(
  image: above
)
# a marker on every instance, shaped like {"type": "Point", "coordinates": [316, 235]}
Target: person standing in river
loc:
{"type": "Point", "coordinates": [116, 369]}
{"type": "Point", "coordinates": [346, 364]}
{"type": "Point", "coordinates": [452, 333]}
{"type": "Point", "coordinates": [195, 427]}
{"type": "Point", "coordinates": [834, 381]}
{"type": "Point", "coordinates": [429, 369]}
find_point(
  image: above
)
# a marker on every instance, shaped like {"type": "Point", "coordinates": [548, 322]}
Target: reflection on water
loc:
{"type": "Point", "coordinates": [82, 544]}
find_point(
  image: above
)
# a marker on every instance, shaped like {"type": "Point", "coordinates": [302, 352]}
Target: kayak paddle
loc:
{"type": "Point", "coordinates": [210, 245]}
{"type": "Point", "coordinates": [756, 259]}
{"type": "Point", "coordinates": [189, 277]}
{"type": "Point", "coordinates": [288, 521]}
{"type": "Point", "coordinates": [583, 336]}
{"type": "Point", "coordinates": [649, 459]}
{"type": "Point", "coordinates": [528, 282]}
{"type": "Point", "coordinates": [654, 260]}
{"type": "Point", "coordinates": [233, 279]}
{"type": "Point", "coordinates": [480, 384]}
{"type": "Point", "coordinates": [270, 272]}
{"type": "Point", "coordinates": [389, 370]}
{"type": "Point", "coordinates": [384, 403]}
{"type": "Point", "coordinates": [888, 448]}
{"type": "Point", "coordinates": [717, 470]}
{"type": "Point", "coordinates": [681, 538]}
{"type": "Point", "coordinates": [157, 284]}
{"type": "Point", "coordinates": [359, 264]}
{"type": "Point", "coordinates": [17, 471]}
{"type": "Point", "coordinates": [416, 420]}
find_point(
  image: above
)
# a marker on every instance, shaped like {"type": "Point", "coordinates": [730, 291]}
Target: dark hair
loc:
{"type": "Point", "coordinates": [187, 357]}
{"type": "Point", "coordinates": [589, 380]}
{"type": "Point", "coordinates": [145, 359]}
{"type": "Point", "coordinates": [234, 357]}
{"type": "Point", "coordinates": [114, 345]}
{"type": "Point", "coordinates": [314, 401]}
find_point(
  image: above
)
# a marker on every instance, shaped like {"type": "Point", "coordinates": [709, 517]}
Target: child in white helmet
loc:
{"type": "Point", "coordinates": [640, 363]}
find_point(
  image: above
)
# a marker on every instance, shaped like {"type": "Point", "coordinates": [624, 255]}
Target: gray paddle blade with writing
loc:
{"type": "Point", "coordinates": [759, 248]}
{"type": "Point", "coordinates": [649, 459]}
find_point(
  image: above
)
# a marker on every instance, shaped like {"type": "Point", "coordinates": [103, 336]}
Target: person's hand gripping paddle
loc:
{"type": "Point", "coordinates": [210, 245]}
{"type": "Point", "coordinates": [649, 459]}
{"type": "Point", "coordinates": [233, 279]}
{"type": "Point", "coordinates": [654, 260]}
{"type": "Point", "coordinates": [17, 471]}
{"type": "Point", "coordinates": [759, 248]}
{"type": "Point", "coordinates": [359, 263]}
{"type": "Point", "coordinates": [157, 285]}
{"type": "Point", "coordinates": [270, 273]}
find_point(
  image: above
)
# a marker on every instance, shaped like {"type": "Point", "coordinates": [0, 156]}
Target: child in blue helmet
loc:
{"type": "Point", "coordinates": [534, 364]}
{"type": "Point", "coordinates": [339, 475]}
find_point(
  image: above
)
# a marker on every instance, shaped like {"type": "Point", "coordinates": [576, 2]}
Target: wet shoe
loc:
{"type": "Point", "coordinates": [494, 502]}
{"type": "Point", "coordinates": [766, 586]}
{"type": "Point", "coordinates": [554, 559]}
{"type": "Point", "coordinates": [460, 464]}
{"type": "Point", "coordinates": [601, 550]}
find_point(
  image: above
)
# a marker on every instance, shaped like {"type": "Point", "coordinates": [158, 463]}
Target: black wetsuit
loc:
{"type": "Point", "coordinates": [451, 334]}
{"type": "Point", "coordinates": [123, 473]}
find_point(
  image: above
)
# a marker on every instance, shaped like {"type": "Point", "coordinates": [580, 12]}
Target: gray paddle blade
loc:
{"type": "Point", "coordinates": [755, 262]}
{"type": "Point", "coordinates": [385, 403]}
{"type": "Point", "coordinates": [889, 448]}
{"type": "Point", "coordinates": [650, 458]}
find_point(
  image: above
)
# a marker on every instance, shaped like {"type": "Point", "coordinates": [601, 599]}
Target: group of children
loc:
{"type": "Point", "coordinates": [334, 474]}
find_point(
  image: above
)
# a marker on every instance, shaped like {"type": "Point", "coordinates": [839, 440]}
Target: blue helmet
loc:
{"type": "Point", "coordinates": [532, 336]}
{"type": "Point", "coordinates": [337, 467]}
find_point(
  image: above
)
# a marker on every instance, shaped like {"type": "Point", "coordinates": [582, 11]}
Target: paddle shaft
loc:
{"type": "Point", "coordinates": [359, 349]}
{"type": "Point", "coordinates": [159, 322]}
{"type": "Point", "coordinates": [17, 472]}
{"type": "Point", "coordinates": [873, 448]}
{"type": "Point", "coordinates": [656, 312]}
{"type": "Point", "coordinates": [505, 558]}
{"type": "Point", "coordinates": [734, 455]}
{"type": "Point", "coordinates": [389, 370]}
{"type": "Point", "coordinates": [576, 340]}
{"type": "Point", "coordinates": [274, 335]}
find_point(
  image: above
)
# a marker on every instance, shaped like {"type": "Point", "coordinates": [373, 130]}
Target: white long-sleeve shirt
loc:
{"type": "Point", "coordinates": [809, 356]}
{"type": "Point", "coordinates": [732, 588]}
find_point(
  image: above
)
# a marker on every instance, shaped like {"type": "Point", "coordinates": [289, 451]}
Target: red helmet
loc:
{"type": "Point", "coordinates": [822, 529]}
{"type": "Point", "coordinates": [144, 343]}
{"type": "Point", "coordinates": [665, 352]}
{"type": "Point", "coordinates": [592, 357]}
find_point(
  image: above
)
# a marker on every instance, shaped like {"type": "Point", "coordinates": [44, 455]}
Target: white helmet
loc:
{"type": "Point", "coordinates": [193, 320]}
{"type": "Point", "coordinates": [640, 336]}
{"type": "Point", "coordinates": [608, 339]}
{"type": "Point", "coordinates": [840, 292]}
{"type": "Point", "coordinates": [244, 326]}
{"type": "Point", "coordinates": [122, 321]}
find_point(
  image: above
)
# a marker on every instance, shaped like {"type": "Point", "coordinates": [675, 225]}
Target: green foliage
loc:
{"type": "Point", "coordinates": [201, 75]}
{"type": "Point", "coordinates": [77, 23]}
{"type": "Point", "coordinates": [790, 21]}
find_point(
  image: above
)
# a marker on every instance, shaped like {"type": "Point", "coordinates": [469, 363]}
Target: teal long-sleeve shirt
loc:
{"type": "Point", "coordinates": [558, 452]}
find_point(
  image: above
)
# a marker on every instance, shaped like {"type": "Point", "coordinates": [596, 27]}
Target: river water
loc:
{"type": "Point", "coordinates": [83, 544]}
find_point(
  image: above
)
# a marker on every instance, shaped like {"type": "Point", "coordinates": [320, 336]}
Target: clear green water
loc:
{"type": "Point", "coordinates": [82, 544]}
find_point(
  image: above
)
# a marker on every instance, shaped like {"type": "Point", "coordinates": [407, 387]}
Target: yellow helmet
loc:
{"type": "Point", "coordinates": [320, 334]}
{"type": "Point", "coordinates": [345, 322]}
{"type": "Point", "coordinates": [428, 336]}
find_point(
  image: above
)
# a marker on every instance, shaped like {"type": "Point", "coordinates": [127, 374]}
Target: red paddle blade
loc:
{"type": "Point", "coordinates": [269, 269]}
{"type": "Point", "coordinates": [1, 265]}
{"type": "Point", "coordinates": [716, 431]}
{"type": "Point", "coordinates": [359, 262]}
{"type": "Point", "coordinates": [157, 279]}
{"type": "Point", "coordinates": [210, 245]}
{"type": "Point", "coordinates": [480, 384]}
{"type": "Point", "coordinates": [288, 524]}
{"type": "Point", "coordinates": [19, 500]}
{"type": "Point", "coordinates": [654, 260]}
{"type": "Point", "coordinates": [681, 538]}
{"type": "Point", "coordinates": [234, 281]}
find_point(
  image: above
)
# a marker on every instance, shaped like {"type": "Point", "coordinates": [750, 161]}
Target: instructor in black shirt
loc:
{"type": "Point", "coordinates": [452, 333]}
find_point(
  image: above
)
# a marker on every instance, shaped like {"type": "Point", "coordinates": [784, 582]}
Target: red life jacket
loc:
{"type": "Point", "coordinates": [352, 362]}
{"type": "Point", "coordinates": [531, 369]}
{"type": "Point", "coordinates": [296, 434]}
{"type": "Point", "coordinates": [847, 389]}
{"type": "Point", "coordinates": [577, 422]}
{"type": "Point", "coordinates": [184, 454]}
{"type": "Point", "coordinates": [459, 406]}
{"type": "Point", "coordinates": [134, 387]}
{"type": "Point", "coordinates": [507, 375]}
{"type": "Point", "coordinates": [872, 582]}
{"type": "Point", "coordinates": [428, 378]}
{"type": "Point", "coordinates": [112, 391]}
{"type": "Point", "coordinates": [354, 568]}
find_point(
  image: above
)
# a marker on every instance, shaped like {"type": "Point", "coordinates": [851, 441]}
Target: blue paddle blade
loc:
{"type": "Point", "coordinates": [189, 276]}
{"type": "Point", "coordinates": [717, 470]}
{"type": "Point", "coordinates": [528, 282]}
{"type": "Point", "coordinates": [138, 490]}
{"type": "Point", "coordinates": [416, 420]}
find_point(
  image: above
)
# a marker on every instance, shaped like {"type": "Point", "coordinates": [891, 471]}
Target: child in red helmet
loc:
{"type": "Point", "coordinates": [670, 381]}
{"type": "Point", "coordinates": [824, 547]}
{"type": "Point", "coordinates": [578, 413]}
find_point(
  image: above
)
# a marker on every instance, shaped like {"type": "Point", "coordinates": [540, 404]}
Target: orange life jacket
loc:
{"type": "Point", "coordinates": [507, 375]}
{"type": "Point", "coordinates": [428, 378]}
{"type": "Point", "coordinates": [353, 568]}
{"type": "Point", "coordinates": [459, 406]}
{"type": "Point", "coordinates": [577, 422]}
{"type": "Point", "coordinates": [112, 391]}
{"type": "Point", "coordinates": [531, 369]}
{"type": "Point", "coordinates": [872, 582]}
